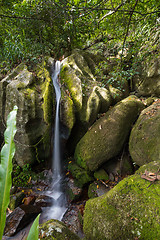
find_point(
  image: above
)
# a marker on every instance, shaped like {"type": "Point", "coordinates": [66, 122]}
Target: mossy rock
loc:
{"type": "Point", "coordinates": [105, 139]}
{"type": "Point", "coordinates": [34, 97]}
{"type": "Point", "coordinates": [144, 143]}
{"type": "Point", "coordinates": [86, 94]}
{"type": "Point", "coordinates": [67, 110]}
{"type": "Point", "coordinates": [128, 211]}
{"type": "Point", "coordinates": [54, 229]}
{"type": "Point", "coordinates": [101, 175]}
{"type": "Point", "coordinates": [81, 176]}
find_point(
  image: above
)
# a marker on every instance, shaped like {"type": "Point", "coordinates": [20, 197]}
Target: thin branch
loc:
{"type": "Point", "coordinates": [128, 25]}
{"type": "Point", "coordinates": [17, 17]}
{"type": "Point", "coordinates": [112, 11]}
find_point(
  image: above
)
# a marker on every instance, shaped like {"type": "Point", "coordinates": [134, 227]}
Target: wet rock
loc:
{"type": "Point", "coordinates": [43, 201]}
{"type": "Point", "coordinates": [72, 190]}
{"type": "Point", "coordinates": [20, 218]}
{"type": "Point", "coordinates": [73, 218]}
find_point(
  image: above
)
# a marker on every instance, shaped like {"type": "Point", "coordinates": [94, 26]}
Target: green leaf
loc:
{"type": "Point", "coordinates": [34, 231]}
{"type": "Point", "coordinates": [7, 154]}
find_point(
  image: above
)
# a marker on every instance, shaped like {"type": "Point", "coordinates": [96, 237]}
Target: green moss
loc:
{"type": "Point", "coordinates": [47, 92]}
{"type": "Point", "coordinates": [92, 190]}
{"type": "Point", "coordinates": [67, 110]}
{"type": "Point", "coordinates": [73, 84]}
{"type": "Point", "coordinates": [80, 175]}
{"type": "Point", "coordinates": [130, 210]}
{"type": "Point", "coordinates": [101, 175]}
{"type": "Point", "coordinates": [54, 229]}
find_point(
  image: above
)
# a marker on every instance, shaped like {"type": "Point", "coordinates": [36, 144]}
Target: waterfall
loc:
{"type": "Point", "coordinates": [59, 204]}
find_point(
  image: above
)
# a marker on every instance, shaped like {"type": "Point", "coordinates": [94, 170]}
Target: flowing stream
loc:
{"type": "Point", "coordinates": [59, 203]}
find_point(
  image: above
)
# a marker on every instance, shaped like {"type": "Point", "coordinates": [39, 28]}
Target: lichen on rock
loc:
{"type": "Point", "coordinates": [54, 229]}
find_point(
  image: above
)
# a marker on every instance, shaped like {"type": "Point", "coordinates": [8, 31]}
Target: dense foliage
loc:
{"type": "Point", "coordinates": [30, 29]}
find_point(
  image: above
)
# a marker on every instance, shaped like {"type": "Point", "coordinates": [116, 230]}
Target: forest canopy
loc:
{"type": "Point", "coordinates": [30, 29]}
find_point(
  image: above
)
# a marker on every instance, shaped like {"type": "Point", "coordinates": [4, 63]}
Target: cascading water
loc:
{"type": "Point", "coordinates": [59, 204]}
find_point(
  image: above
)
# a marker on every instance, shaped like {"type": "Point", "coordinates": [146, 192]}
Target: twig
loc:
{"type": "Point", "coordinates": [128, 25]}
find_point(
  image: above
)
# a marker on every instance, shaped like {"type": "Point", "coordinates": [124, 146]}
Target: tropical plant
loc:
{"type": "Point", "coordinates": [33, 233]}
{"type": "Point", "coordinates": [7, 154]}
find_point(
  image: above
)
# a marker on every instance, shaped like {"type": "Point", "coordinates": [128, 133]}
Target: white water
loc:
{"type": "Point", "coordinates": [59, 204]}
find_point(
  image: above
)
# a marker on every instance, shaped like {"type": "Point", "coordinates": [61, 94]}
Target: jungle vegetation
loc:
{"type": "Point", "coordinates": [30, 29]}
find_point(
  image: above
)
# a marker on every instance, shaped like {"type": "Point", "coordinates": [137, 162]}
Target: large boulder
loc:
{"type": "Point", "coordinates": [106, 137]}
{"type": "Point", "coordinates": [54, 229]}
{"type": "Point", "coordinates": [144, 143]}
{"type": "Point", "coordinates": [129, 211]}
{"type": "Point", "coordinates": [34, 98]}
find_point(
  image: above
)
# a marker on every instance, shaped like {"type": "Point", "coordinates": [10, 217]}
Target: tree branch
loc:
{"type": "Point", "coordinates": [17, 17]}
{"type": "Point", "coordinates": [112, 11]}
{"type": "Point", "coordinates": [128, 25]}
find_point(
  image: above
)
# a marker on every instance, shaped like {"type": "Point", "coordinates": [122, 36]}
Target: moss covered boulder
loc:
{"type": "Point", "coordinates": [107, 136]}
{"type": "Point", "coordinates": [129, 211]}
{"type": "Point", "coordinates": [144, 143]}
{"type": "Point", "coordinates": [54, 229]}
{"type": "Point", "coordinates": [34, 98]}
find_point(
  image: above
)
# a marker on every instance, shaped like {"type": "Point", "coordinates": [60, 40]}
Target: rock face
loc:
{"type": "Point", "coordinates": [82, 89]}
{"type": "Point", "coordinates": [128, 211]}
{"type": "Point", "coordinates": [147, 83]}
{"type": "Point", "coordinates": [34, 98]}
{"type": "Point", "coordinates": [54, 229]}
{"type": "Point", "coordinates": [106, 137]}
{"type": "Point", "coordinates": [144, 143]}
